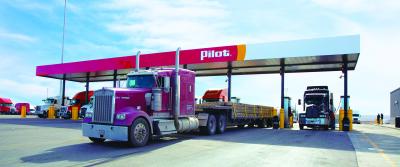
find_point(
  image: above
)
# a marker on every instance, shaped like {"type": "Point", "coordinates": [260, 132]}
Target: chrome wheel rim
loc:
{"type": "Point", "coordinates": [140, 132]}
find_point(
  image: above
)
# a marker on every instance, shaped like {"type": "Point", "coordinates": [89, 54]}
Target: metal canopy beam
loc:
{"type": "Point", "coordinates": [63, 91]}
{"type": "Point", "coordinates": [309, 55]}
{"type": "Point", "coordinates": [346, 120]}
{"type": "Point", "coordinates": [282, 72]}
{"type": "Point", "coordinates": [115, 78]}
{"type": "Point", "coordinates": [229, 81]}
{"type": "Point", "coordinates": [87, 89]}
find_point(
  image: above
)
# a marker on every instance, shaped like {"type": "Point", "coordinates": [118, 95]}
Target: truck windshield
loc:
{"type": "Point", "coordinates": [6, 104]}
{"type": "Point", "coordinates": [314, 99]}
{"type": "Point", "coordinates": [49, 101]}
{"type": "Point", "coordinates": [140, 81]}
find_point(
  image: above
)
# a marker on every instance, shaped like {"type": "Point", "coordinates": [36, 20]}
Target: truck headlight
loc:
{"type": "Point", "coordinates": [120, 116]}
{"type": "Point", "coordinates": [322, 116]}
{"type": "Point", "coordinates": [88, 114]}
{"type": "Point", "coordinates": [302, 115]}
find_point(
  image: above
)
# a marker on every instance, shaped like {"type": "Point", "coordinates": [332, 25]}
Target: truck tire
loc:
{"type": "Point", "coordinates": [221, 124]}
{"type": "Point", "coordinates": [261, 124]}
{"type": "Point", "coordinates": [301, 127]}
{"type": "Point", "coordinates": [333, 126]}
{"type": "Point", "coordinates": [96, 140]}
{"type": "Point", "coordinates": [240, 126]}
{"type": "Point", "coordinates": [211, 125]}
{"type": "Point", "coordinates": [250, 125]}
{"type": "Point", "coordinates": [139, 133]}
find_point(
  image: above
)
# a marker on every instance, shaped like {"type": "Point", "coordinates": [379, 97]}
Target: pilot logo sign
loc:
{"type": "Point", "coordinates": [212, 53]}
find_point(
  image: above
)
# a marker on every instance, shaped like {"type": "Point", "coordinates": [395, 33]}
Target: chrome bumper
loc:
{"type": "Point", "coordinates": [105, 131]}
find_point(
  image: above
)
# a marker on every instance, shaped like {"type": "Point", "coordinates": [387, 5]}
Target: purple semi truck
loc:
{"type": "Point", "coordinates": [160, 102]}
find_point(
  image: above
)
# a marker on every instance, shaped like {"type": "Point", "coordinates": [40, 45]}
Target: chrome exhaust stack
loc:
{"type": "Point", "coordinates": [185, 124]}
{"type": "Point", "coordinates": [177, 91]}
{"type": "Point", "coordinates": [137, 61]}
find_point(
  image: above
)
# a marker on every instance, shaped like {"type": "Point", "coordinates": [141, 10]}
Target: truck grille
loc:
{"type": "Point", "coordinates": [103, 106]}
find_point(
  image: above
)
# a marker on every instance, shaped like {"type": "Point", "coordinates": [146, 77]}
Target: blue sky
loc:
{"type": "Point", "coordinates": [31, 33]}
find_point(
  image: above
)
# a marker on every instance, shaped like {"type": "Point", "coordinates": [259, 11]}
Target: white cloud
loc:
{"type": "Point", "coordinates": [383, 9]}
{"type": "Point", "coordinates": [10, 36]}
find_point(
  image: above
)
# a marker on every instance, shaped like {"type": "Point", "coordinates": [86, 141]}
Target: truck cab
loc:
{"type": "Point", "coordinates": [18, 107]}
{"type": "Point", "coordinates": [78, 101]}
{"type": "Point", "coordinates": [42, 110]}
{"type": "Point", "coordinates": [318, 108]}
{"type": "Point", "coordinates": [6, 106]}
{"type": "Point", "coordinates": [148, 106]}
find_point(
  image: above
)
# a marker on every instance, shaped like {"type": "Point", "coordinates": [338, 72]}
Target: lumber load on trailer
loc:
{"type": "Point", "coordinates": [237, 110]}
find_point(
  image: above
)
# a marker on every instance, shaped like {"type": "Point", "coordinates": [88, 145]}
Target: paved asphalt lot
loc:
{"type": "Point", "coordinates": [40, 142]}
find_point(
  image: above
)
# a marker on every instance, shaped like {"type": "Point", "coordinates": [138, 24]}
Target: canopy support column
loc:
{"type": "Point", "coordinates": [87, 88]}
{"type": "Point", "coordinates": [115, 78]}
{"type": "Point", "coordinates": [229, 81]}
{"type": "Point", "coordinates": [63, 91]}
{"type": "Point", "coordinates": [346, 120]}
{"type": "Point", "coordinates": [282, 72]}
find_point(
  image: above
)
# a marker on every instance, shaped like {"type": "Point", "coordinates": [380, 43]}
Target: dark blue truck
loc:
{"type": "Point", "coordinates": [318, 107]}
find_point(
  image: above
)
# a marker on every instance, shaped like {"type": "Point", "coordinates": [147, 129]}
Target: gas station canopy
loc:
{"type": "Point", "coordinates": [310, 55]}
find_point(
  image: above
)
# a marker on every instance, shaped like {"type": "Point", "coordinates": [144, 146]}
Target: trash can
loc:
{"type": "Point", "coordinates": [397, 122]}
{"type": "Point", "coordinates": [275, 122]}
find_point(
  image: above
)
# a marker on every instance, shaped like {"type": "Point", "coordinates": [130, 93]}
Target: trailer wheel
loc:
{"type": "Point", "coordinates": [261, 124]}
{"type": "Point", "coordinates": [250, 125]}
{"type": "Point", "coordinates": [211, 125]}
{"type": "Point", "coordinates": [221, 126]}
{"type": "Point", "coordinates": [240, 126]}
{"type": "Point", "coordinates": [96, 140]}
{"type": "Point", "coordinates": [139, 133]}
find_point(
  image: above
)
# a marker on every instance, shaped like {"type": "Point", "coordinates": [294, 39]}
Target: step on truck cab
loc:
{"type": "Point", "coordinates": [318, 108]}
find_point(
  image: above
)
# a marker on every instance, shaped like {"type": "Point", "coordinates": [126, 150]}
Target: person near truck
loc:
{"type": "Point", "coordinates": [382, 118]}
{"type": "Point", "coordinates": [378, 119]}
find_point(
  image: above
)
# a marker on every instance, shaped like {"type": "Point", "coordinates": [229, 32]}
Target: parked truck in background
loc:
{"type": "Point", "coordinates": [6, 106]}
{"type": "Point", "coordinates": [318, 108]}
{"type": "Point", "coordinates": [78, 101]}
{"type": "Point", "coordinates": [86, 108]}
{"type": "Point", "coordinates": [42, 110]}
{"type": "Point", "coordinates": [160, 102]}
{"type": "Point", "coordinates": [18, 107]}
{"type": "Point", "coordinates": [356, 117]}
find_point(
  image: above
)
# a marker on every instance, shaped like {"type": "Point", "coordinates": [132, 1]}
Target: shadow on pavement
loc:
{"type": "Point", "coordinates": [54, 123]}
{"type": "Point", "coordinates": [94, 154]}
{"type": "Point", "coordinates": [296, 138]}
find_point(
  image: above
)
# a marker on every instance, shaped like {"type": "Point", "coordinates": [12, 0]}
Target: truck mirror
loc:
{"type": "Point", "coordinates": [166, 84]}
{"type": "Point", "coordinates": [299, 102]}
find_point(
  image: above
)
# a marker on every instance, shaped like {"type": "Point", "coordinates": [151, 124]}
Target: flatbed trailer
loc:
{"type": "Point", "coordinates": [232, 114]}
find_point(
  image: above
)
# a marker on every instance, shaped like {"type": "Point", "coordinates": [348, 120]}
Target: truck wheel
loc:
{"type": "Point", "coordinates": [261, 124]}
{"type": "Point", "coordinates": [250, 125]}
{"type": "Point", "coordinates": [211, 125]}
{"type": "Point", "coordinates": [240, 126]}
{"type": "Point", "coordinates": [96, 140]}
{"type": "Point", "coordinates": [301, 127]}
{"type": "Point", "coordinates": [139, 133]}
{"type": "Point", "coordinates": [221, 124]}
